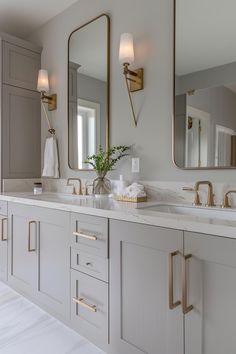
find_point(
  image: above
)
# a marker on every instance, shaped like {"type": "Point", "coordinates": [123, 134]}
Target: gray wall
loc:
{"type": "Point", "coordinates": [94, 90]}
{"type": "Point", "coordinates": [152, 26]}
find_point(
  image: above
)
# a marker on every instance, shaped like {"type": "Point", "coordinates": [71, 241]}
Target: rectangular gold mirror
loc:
{"type": "Point", "coordinates": [88, 91]}
{"type": "Point", "coordinates": [204, 135]}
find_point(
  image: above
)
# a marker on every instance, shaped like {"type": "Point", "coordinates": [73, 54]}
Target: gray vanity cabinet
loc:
{"type": "Point", "coordinates": [140, 318]}
{"type": "Point", "coordinates": [40, 257]}
{"type": "Point", "coordinates": [211, 281]}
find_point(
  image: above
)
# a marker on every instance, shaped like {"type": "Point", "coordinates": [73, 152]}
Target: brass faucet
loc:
{"type": "Point", "coordinates": [80, 185]}
{"type": "Point", "coordinates": [210, 195]}
{"type": "Point", "coordinates": [226, 203]}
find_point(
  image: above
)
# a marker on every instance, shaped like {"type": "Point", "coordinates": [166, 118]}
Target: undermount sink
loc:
{"type": "Point", "coordinates": [60, 197]}
{"type": "Point", "coordinates": [203, 212]}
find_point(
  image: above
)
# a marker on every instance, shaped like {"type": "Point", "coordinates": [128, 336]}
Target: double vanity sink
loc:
{"type": "Point", "coordinates": [91, 263]}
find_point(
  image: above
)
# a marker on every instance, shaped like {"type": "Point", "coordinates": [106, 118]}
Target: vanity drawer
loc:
{"type": "Point", "coordinates": [93, 265]}
{"type": "Point", "coordinates": [3, 207]}
{"type": "Point", "coordinates": [89, 307]}
{"type": "Point", "coordinates": [89, 234]}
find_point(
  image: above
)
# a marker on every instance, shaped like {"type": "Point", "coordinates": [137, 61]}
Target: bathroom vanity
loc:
{"type": "Point", "coordinates": [130, 280]}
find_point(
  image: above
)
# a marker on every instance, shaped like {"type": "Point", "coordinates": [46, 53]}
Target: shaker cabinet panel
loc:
{"type": "Point", "coordinates": [140, 318]}
{"type": "Point", "coordinates": [54, 260]}
{"type": "Point", "coordinates": [23, 248]}
{"type": "Point", "coordinates": [21, 126]}
{"type": "Point", "coordinates": [20, 66]}
{"type": "Point", "coordinates": [89, 307]}
{"type": "Point", "coordinates": [211, 282]}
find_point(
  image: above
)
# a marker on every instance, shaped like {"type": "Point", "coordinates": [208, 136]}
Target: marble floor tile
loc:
{"type": "Point", "coordinates": [26, 329]}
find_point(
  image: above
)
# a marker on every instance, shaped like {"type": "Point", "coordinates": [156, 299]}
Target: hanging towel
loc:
{"type": "Point", "coordinates": [51, 161]}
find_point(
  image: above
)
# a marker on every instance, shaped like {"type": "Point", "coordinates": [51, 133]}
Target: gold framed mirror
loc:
{"type": "Point", "coordinates": [204, 123]}
{"type": "Point", "coordinates": [88, 90]}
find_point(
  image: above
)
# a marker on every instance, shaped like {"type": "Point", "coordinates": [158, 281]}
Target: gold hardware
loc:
{"type": "Point", "coordinates": [81, 301]}
{"type": "Point", "coordinates": [226, 203]}
{"type": "Point", "coordinates": [29, 236]}
{"type": "Point", "coordinates": [2, 229]}
{"type": "Point", "coordinates": [172, 304]}
{"type": "Point", "coordinates": [185, 307]}
{"type": "Point", "coordinates": [51, 100]}
{"type": "Point", "coordinates": [80, 185]}
{"type": "Point", "coordinates": [191, 92]}
{"type": "Point", "coordinates": [210, 195]}
{"type": "Point", "coordinates": [196, 198]}
{"type": "Point", "coordinates": [88, 237]}
{"type": "Point", "coordinates": [134, 82]}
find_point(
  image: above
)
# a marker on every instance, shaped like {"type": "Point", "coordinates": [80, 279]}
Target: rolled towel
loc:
{"type": "Point", "coordinates": [135, 190]}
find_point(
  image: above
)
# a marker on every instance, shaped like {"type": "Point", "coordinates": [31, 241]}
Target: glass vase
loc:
{"type": "Point", "coordinates": [101, 185]}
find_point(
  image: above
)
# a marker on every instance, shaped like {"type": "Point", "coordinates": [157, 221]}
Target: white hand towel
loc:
{"type": "Point", "coordinates": [51, 161]}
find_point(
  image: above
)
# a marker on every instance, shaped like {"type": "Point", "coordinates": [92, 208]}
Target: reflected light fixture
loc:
{"type": "Point", "coordinates": [133, 78]}
{"type": "Point", "coordinates": [43, 87]}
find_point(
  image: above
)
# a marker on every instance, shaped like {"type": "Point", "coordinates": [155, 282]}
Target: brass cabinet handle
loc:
{"type": "Point", "coordinates": [172, 304]}
{"type": "Point", "coordinates": [186, 308]}
{"type": "Point", "coordinates": [2, 229]}
{"type": "Point", "coordinates": [82, 302]}
{"type": "Point", "coordinates": [29, 236]}
{"type": "Point", "coordinates": [88, 237]}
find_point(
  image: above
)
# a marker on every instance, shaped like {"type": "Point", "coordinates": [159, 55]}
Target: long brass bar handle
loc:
{"type": "Point", "coordinates": [81, 301]}
{"type": "Point", "coordinates": [172, 304]}
{"type": "Point", "coordinates": [88, 237]}
{"type": "Point", "coordinates": [186, 308]}
{"type": "Point", "coordinates": [2, 229]}
{"type": "Point", "coordinates": [29, 236]}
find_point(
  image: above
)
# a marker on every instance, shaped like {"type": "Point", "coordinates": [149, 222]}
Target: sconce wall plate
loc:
{"type": "Point", "coordinates": [136, 83]}
{"type": "Point", "coordinates": [51, 100]}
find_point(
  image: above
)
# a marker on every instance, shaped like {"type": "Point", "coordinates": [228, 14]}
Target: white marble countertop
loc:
{"type": "Point", "coordinates": [109, 208]}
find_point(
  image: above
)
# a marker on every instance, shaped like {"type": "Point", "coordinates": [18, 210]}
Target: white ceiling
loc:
{"type": "Point", "coordinates": [205, 34]}
{"type": "Point", "coordinates": [22, 17]}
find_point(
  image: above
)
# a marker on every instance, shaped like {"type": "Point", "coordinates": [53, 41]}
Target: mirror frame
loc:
{"type": "Point", "coordinates": [173, 113]}
{"type": "Point", "coordinates": [108, 84]}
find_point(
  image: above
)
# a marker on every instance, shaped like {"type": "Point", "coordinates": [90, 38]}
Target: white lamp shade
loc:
{"type": "Point", "coordinates": [126, 53]}
{"type": "Point", "coordinates": [43, 84]}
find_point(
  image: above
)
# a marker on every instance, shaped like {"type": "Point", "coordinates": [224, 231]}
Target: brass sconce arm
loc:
{"type": "Point", "coordinates": [134, 82]}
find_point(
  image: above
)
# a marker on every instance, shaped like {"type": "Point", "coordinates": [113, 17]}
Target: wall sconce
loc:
{"type": "Point", "coordinates": [133, 78]}
{"type": "Point", "coordinates": [43, 87]}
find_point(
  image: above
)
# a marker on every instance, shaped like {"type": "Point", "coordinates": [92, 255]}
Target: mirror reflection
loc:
{"type": "Point", "coordinates": [205, 84]}
{"type": "Point", "coordinates": [88, 85]}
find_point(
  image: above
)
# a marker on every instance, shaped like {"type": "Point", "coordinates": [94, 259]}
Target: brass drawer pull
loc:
{"type": "Point", "coordinates": [2, 229]}
{"type": "Point", "coordinates": [186, 308]}
{"type": "Point", "coordinates": [172, 304]}
{"type": "Point", "coordinates": [81, 301]}
{"type": "Point", "coordinates": [29, 236]}
{"type": "Point", "coordinates": [88, 237]}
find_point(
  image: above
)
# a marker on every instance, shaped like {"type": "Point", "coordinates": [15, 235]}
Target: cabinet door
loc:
{"type": "Point", "coordinates": [140, 318]}
{"type": "Point", "coordinates": [23, 248]}
{"type": "Point", "coordinates": [211, 282]}
{"type": "Point", "coordinates": [54, 260]}
{"type": "Point", "coordinates": [21, 128]}
{"type": "Point", "coordinates": [3, 246]}
{"type": "Point", "coordinates": [20, 66]}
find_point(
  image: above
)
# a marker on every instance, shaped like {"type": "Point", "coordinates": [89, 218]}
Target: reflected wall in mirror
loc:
{"type": "Point", "coordinates": [205, 84]}
{"type": "Point", "coordinates": [88, 90]}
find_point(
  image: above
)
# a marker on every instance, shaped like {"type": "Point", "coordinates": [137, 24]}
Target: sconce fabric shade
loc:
{"type": "Point", "coordinates": [126, 52]}
{"type": "Point", "coordinates": [43, 83]}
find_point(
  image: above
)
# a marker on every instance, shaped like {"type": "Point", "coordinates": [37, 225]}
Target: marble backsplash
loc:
{"type": "Point", "coordinates": [158, 191]}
